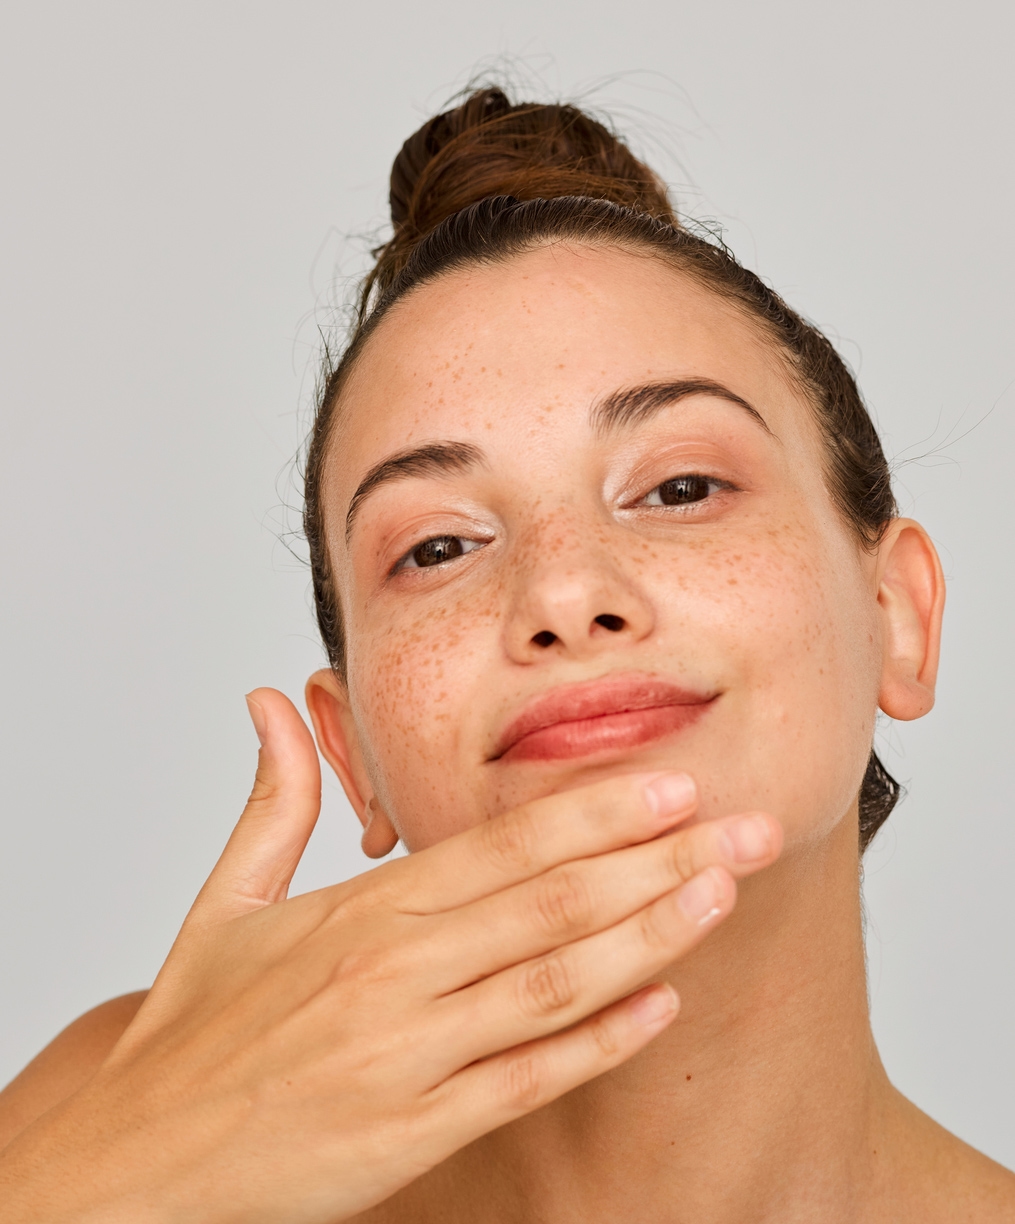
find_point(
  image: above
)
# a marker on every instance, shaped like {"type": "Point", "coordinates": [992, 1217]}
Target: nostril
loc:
{"type": "Point", "coordinates": [613, 623]}
{"type": "Point", "coordinates": [546, 638]}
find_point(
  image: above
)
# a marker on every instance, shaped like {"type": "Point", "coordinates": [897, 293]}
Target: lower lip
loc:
{"type": "Point", "coordinates": [607, 733]}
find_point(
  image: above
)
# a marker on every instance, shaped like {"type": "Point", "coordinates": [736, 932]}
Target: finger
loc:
{"type": "Point", "coordinates": [579, 898]}
{"type": "Point", "coordinates": [507, 1086]}
{"type": "Point", "coordinates": [536, 836]}
{"type": "Point", "coordinates": [257, 864]}
{"type": "Point", "coordinates": [554, 991]}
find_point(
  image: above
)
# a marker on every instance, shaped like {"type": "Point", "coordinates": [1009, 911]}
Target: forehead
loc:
{"type": "Point", "coordinates": [529, 343]}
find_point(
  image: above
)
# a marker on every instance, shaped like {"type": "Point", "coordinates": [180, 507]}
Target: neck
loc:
{"type": "Point", "coordinates": [765, 1100]}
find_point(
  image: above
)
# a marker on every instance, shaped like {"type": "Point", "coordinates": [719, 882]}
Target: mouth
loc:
{"type": "Point", "coordinates": [598, 716]}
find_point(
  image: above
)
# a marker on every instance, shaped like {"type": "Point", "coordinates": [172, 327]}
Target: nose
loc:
{"type": "Point", "coordinates": [577, 603]}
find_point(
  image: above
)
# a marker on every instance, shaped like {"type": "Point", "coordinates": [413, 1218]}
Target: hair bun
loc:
{"type": "Point", "coordinates": [489, 146]}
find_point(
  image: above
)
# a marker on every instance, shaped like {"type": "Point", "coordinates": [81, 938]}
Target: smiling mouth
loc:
{"type": "Point", "coordinates": [599, 716]}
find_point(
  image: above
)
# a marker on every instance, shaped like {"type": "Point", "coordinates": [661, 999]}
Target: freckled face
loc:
{"type": "Point", "coordinates": [551, 533]}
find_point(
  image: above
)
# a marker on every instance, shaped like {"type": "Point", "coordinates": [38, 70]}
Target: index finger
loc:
{"type": "Point", "coordinates": [536, 836]}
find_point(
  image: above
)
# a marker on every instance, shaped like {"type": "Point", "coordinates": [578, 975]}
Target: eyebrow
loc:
{"type": "Point", "coordinates": [432, 459]}
{"type": "Point", "coordinates": [633, 405]}
{"type": "Point", "coordinates": [619, 410]}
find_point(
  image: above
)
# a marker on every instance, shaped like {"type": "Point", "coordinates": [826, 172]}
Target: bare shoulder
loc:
{"type": "Point", "coordinates": [976, 1187]}
{"type": "Point", "coordinates": [65, 1065]}
{"type": "Point", "coordinates": [949, 1181]}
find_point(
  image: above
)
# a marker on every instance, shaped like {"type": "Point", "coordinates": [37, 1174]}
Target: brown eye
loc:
{"type": "Point", "coordinates": [436, 551]}
{"type": "Point", "coordinates": [681, 491]}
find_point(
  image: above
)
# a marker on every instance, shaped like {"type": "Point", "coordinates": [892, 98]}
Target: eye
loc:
{"type": "Point", "coordinates": [437, 551]}
{"type": "Point", "coordinates": [682, 491]}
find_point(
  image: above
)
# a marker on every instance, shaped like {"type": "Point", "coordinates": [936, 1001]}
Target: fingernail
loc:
{"type": "Point", "coordinates": [656, 1005]}
{"type": "Point", "coordinates": [748, 839]}
{"type": "Point", "coordinates": [257, 718]}
{"type": "Point", "coordinates": [699, 898]}
{"type": "Point", "coordinates": [670, 793]}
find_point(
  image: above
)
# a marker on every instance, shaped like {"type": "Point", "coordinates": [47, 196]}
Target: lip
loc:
{"type": "Point", "coordinates": [608, 714]}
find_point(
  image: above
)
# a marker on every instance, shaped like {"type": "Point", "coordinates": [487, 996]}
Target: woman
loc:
{"type": "Point", "coordinates": [612, 583]}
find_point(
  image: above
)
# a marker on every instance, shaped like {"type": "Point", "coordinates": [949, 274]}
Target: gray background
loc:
{"type": "Point", "coordinates": [179, 184]}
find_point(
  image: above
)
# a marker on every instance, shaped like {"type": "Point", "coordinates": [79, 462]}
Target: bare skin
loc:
{"type": "Point", "coordinates": [765, 1100]}
{"type": "Point", "coordinates": [65, 1065]}
{"type": "Point", "coordinates": [304, 1059]}
{"type": "Point", "coordinates": [726, 1117]}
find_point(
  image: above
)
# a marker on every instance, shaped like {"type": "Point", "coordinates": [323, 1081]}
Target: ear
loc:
{"type": "Point", "coordinates": [328, 704]}
{"type": "Point", "coordinates": [911, 599]}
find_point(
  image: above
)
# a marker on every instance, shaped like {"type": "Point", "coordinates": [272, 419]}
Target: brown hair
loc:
{"type": "Point", "coordinates": [489, 179]}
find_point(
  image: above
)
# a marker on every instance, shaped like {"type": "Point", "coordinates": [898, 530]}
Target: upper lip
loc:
{"type": "Point", "coordinates": [614, 694]}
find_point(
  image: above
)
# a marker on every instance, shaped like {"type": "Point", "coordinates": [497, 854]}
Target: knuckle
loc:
{"type": "Point", "coordinates": [546, 987]}
{"type": "Point", "coordinates": [524, 1081]}
{"type": "Point", "coordinates": [604, 1035]}
{"type": "Point", "coordinates": [656, 932]}
{"type": "Point", "coordinates": [683, 857]}
{"type": "Point", "coordinates": [368, 966]}
{"type": "Point", "coordinates": [263, 791]}
{"type": "Point", "coordinates": [374, 891]}
{"type": "Point", "coordinates": [349, 911]}
{"type": "Point", "coordinates": [562, 903]}
{"type": "Point", "coordinates": [512, 841]}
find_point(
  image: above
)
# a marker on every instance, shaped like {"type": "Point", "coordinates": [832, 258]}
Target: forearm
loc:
{"type": "Point", "coordinates": [59, 1169]}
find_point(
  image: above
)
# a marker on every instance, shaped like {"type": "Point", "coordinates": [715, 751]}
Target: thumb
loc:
{"type": "Point", "coordinates": [257, 865]}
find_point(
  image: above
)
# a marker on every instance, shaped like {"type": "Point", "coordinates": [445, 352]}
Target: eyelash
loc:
{"type": "Point", "coordinates": [407, 561]}
{"type": "Point", "coordinates": [712, 486]}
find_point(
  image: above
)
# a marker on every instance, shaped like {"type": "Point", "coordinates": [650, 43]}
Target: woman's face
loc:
{"type": "Point", "coordinates": [590, 533]}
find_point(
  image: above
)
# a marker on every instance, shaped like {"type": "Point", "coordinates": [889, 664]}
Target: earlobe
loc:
{"type": "Point", "coordinates": [911, 596]}
{"type": "Point", "coordinates": [379, 834]}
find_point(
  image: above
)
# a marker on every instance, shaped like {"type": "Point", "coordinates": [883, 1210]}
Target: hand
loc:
{"type": "Point", "coordinates": [304, 1059]}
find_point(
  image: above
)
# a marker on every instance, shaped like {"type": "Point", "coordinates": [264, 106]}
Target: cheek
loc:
{"type": "Point", "coordinates": [791, 624]}
{"type": "Point", "coordinates": [782, 621]}
{"type": "Point", "coordinates": [411, 683]}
